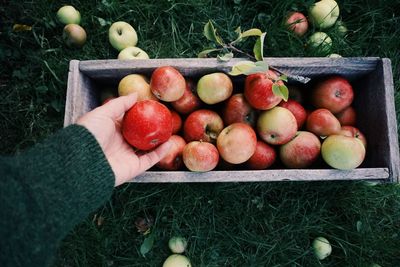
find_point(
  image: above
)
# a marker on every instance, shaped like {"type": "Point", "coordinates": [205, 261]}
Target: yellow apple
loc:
{"type": "Point", "coordinates": [136, 83]}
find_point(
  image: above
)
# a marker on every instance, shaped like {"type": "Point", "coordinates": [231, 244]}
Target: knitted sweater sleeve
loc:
{"type": "Point", "coordinates": [46, 191]}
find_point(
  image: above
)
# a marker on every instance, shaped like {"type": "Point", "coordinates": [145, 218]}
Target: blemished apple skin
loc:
{"type": "Point", "coordinates": [263, 157]}
{"type": "Point", "coordinates": [167, 83]}
{"type": "Point", "coordinates": [237, 143]}
{"type": "Point", "coordinates": [173, 160]}
{"type": "Point", "coordinates": [214, 88]}
{"type": "Point", "coordinates": [300, 152]}
{"type": "Point", "coordinates": [343, 152]}
{"type": "Point", "coordinates": [202, 125]}
{"type": "Point", "coordinates": [276, 126]}
{"type": "Point", "coordinates": [322, 122]}
{"type": "Point", "coordinates": [200, 156]}
{"type": "Point", "coordinates": [334, 93]}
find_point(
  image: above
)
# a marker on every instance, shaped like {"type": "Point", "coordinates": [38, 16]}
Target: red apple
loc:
{"type": "Point", "coordinates": [263, 157]}
{"type": "Point", "coordinates": [334, 93]}
{"type": "Point", "coordinates": [200, 156]}
{"type": "Point", "coordinates": [147, 124]}
{"type": "Point", "coordinates": [298, 111]}
{"type": "Point", "coordinates": [214, 88]}
{"type": "Point", "coordinates": [167, 83]}
{"type": "Point", "coordinates": [176, 122]}
{"type": "Point", "coordinates": [347, 116]}
{"type": "Point", "coordinates": [258, 90]}
{"type": "Point", "coordinates": [237, 109]}
{"type": "Point", "coordinates": [237, 143]}
{"type": "Point", "coordinates": [202, 125]}
{"type": "Point", "coordinates": [173, 160]}
{"type": "Point", "coordinates": [322, 122]}
{"type": "Point", "coordinates": [276, 126]}
{"type": "Point", "coordinates": [189, 102]}
{"type": "Point", "coordinates": [297, 23]}
{"type": "Point", "coordinates": [301, 151]}
{"type": "Point", "coordinates": [353, 132]}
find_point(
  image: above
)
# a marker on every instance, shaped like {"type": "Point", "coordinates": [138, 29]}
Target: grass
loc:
{"type": "Point", "coordinates": [255, 224]}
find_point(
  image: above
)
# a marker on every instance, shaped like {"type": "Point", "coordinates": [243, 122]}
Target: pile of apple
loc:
{"type": "Point", "coordinates": [213, 125]}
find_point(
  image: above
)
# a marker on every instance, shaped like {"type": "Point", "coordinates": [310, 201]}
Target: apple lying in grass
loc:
{"type": "Point", "coordinates": [121, 35]}
{"type": "Point", "coordinates": [176, 260]}
{"type": "Point", "coordinates": [136, 83]}
{"type": "Point", "coordinates": [320, 42]}
{"type": "Point", "coordinates": [237, 109]}
{"type": "Point", "coordinates": [214, 88]}
{"type": "Point", "coordinates": [323, 14]}
{"type": "Point", "coordinates": [258, 90]}
{"type": "Point", "coordinates": [202, 125]}
{"type": "Point", "coordinates": [132, 52]}
{"type": "Point", "coordinates": [74, 35]}
{"type": "Point", "coordinates": [322, 248]}
{"type": "Point", "coordinates": [322, 122]}
{"type": "Point", "coordinates": [173, 160]}
{"type": "Point", "coordinates": [334, 93]}
{"type": "Point", "coordinates": [189, 102]}
{"type": "Point", "coordinates": [167, 83]}
{"type": "Point", "coordinates": [200, 156]}
{"type": "Point", "coordinates": [276, 126]}
{"type": "Point", "coordinates": [297, 23]}
{"type": "Point", "coordinates": [177, 244]}
{"type": "Point", "coordinates": [300, 152]}
{"type": "Point", "coordinates": [343, 152]}
{"type": "Point", "coordinates": [264, 156]}
{"type": "Point", "coordinates": [347, 116]}
{"type": "Point", "coordinates": [297, 110]}
{"type": "Point", "coordinates": [147, 124]}
{"type": "Point", "coordinates": [353, 132]}
{"type": "Point", "coordinates": [237, 143]}
{"type": "Point", "coordinates": [68, 15]}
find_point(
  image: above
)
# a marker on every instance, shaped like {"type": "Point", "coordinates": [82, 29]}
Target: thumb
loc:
{"type": "Point", "coordinates": [118, 106]}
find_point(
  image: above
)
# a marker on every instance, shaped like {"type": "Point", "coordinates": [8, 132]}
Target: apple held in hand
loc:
{"type": "Point", "coordinates": [347, 116]}
{"type": "Point", "coordinates": [277, 126]}
{"type": "Point", "coordinates": [301, 151]}
{"type": "Point", "coordinates": [121, 35]}
{"type": "Point", "coordinates": [343, 152]}
{"type": "Point", "coordinates": [200, 156]}
{"type": "Point", "coordinates": [214, 88]}
{"type": "Point", "coordinates": [297, 23]}
{"type": "Point", "coordinates": [324, 13]}
{"type": "Point", "coordinates": [132, 52]}
{"type": "Point", "coordinates": [334, 93]}
{"type": "Point", "coordinates": [237, 143]}
{"type": "Point", "coordinates": [167, 84]}
{"type": "Point", "coordinates": [263, 157]}
{"type": "Point", "coordinates": [297, 110]}
{"type": "Point", "coordinates": [147, 124]}
{"type": "Point", "coordinates": [136, 83]}
{"type": "Point", "coordinates": [173, 160]}
{"type": "Point", "coordinates": [189, 102]}
{"type": "Point", "coordinates": [202, 125]}
{"type": "Point", "coordinates": [237, 109]}
{"type": "Point", "coordinates": [68, 15]}
{"type": "Point", "coordinates": [322, 122]}
{"type": "Point", "coordinates": [74, 35]}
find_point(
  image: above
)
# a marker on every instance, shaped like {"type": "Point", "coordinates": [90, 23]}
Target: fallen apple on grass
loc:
{"type": "Point", "coordinates": [297, 23]}
{"type": "Point", "coordinates": [176, 260]}
{"type": "Point", "coordinates": [74, 35]}
{"type": "Point", "coordinates": [122, 35]}
{"type": "Point", "coordinates": [177, 244]}
{"type": "Point", "coordinates": [322, 248]}
{"type": "Point", "coordinates": [323, 14]}
{"type": "Point", "coordinates": [320, 42]}
{"type": "Point", "coordinates": [68, 15]}
{"type": "Point", "coordinates": [132, 52]}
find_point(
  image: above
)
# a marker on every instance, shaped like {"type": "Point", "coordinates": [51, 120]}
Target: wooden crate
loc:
{"type": "Point", "coordinates": [374, 102]}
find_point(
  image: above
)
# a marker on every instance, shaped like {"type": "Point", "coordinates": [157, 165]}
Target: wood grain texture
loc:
{"type": "Point", "coordinates": [262, 176]}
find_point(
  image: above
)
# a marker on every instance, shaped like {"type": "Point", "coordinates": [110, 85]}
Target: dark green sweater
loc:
{"type": "Point", "coordinates": [46, 191]}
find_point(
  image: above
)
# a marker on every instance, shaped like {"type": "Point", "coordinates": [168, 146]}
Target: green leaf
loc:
{"type": "Point", "coordinates": [258, 49]}
{"type": "Point", "coordinates": [283, 78]}
{"type": "Point", "coordinates": [281, 91]}
{"type": "Point", "coordinates": [225, 57]}
{"type": "Point", "coordinates": [359, 226]}
{"type": "Point", "coordinates": [252, 32]}
{"type": "Point", "coordinates": [241, 67]}
{"type": "Point", "coordinates": [147, 245]}
{"type": "Point", "coordinates": [103, 22]}
{"type": "Point", "coordinates": [211, 34]}
{"type": "Point", "coordinates": [204, 53]}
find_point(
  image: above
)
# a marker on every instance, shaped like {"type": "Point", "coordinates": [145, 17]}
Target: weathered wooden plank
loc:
{"type": "Point", "coordinates": [116, 69]}
{"type": "Point", "coordinates": [262, 176]}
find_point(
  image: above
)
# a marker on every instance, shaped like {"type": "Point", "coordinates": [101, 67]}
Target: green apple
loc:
{"type": "Point", "coordinates": [176, 260]}
{"type": "Point", "coordinates": [122, 35]}
{"type": "Point", "coordinates": [324, 14]}
{"type": "Point", "coordinates": [132, 52]}
{"type": "Point", "coordinates": [341, 28]}
{"type": "Point", "coordinates": [343, 152]}
{"type": "Point", "coordinates": [177, 244]}
{"type": "Point", "coordinates": [320, 41]}
{"type": "Point", "coordinates": [322, 248]}
{"type": "Point", "coordinates": [74, 35]}
{"type": "Point", "coordinates": [69, 15]}
{"type": "Point", "coordinates": [136, 83]}
{"type": "Point", "coordinates": [214, 88]}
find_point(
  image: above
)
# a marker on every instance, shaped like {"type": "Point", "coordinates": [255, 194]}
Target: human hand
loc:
{"type": "Point", "coordinates": [104, 123]}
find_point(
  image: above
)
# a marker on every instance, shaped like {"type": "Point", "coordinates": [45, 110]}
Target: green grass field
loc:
{"type": "Point", "coordinates": [252, 224]}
